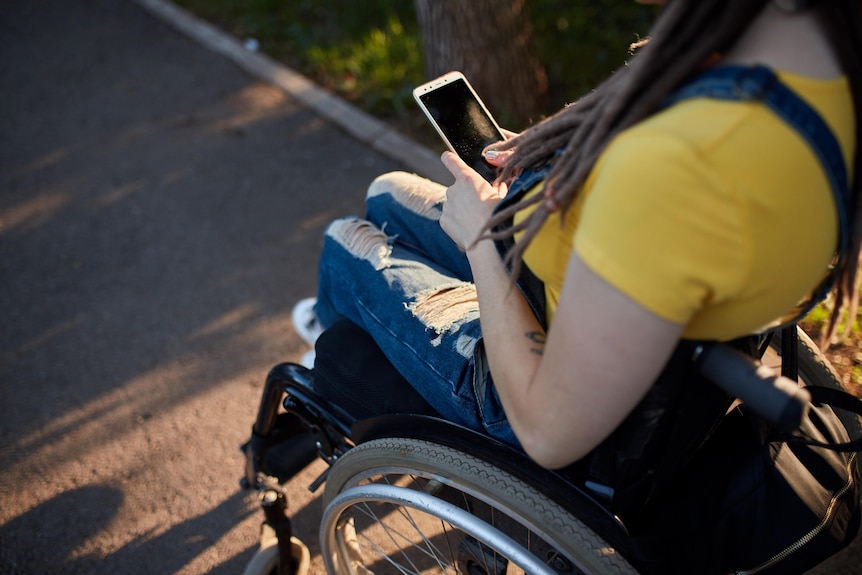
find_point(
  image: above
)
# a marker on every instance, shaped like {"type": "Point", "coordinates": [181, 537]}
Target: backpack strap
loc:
{"type": "Point", "coordinates": [530, 286]}
{"type": "Point", "coordinates": [760, 84]}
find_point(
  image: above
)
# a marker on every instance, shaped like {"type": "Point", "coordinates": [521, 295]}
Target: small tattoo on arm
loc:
{"type": "Point", "coordinates": [537, 338]}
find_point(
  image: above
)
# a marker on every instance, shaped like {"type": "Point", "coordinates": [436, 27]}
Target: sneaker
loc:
{"type": "Point", "coordinates": [305, 322]}
{"type": "Point", "coordinates": [307, 360]}
{"type": "Point", "coordinates": [301, 555]}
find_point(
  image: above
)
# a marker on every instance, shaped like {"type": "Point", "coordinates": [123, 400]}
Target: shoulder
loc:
{"type": "Point", "coordinates": [723, 130]}
{"type": "Point", "coordinates": [740, 144]}
{"type": "Point", "coordinates": [656, 209]}
{"type": "Point", "coordinates": [682, 209]}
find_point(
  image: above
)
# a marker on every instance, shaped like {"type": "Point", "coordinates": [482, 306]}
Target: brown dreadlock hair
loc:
{"type": "Point", "coordinates": [686, 36]}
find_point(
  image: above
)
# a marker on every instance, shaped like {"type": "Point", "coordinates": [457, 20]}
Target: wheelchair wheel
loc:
{"type": "Point", "coordinates": [815, 369]}
{"type": "Point", "coordinates": [409, 506]}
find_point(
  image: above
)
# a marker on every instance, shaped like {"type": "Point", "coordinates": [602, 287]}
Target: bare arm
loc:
{"type": "Point", "coordinates": [565, 394]}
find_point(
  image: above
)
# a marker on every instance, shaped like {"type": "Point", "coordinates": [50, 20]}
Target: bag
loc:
{"type": "Point", "coordinates": [755, 501]}
{"type": "Point", "coordinates": [707, 488]}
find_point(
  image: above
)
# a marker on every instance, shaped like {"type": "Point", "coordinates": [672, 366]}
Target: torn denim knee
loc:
{"type": "Point", "coordinates": [443, 310]}
{"type": "Point", "coordinates": [417, 194]}
{"type": "Point", "coordinates": [363, 240]}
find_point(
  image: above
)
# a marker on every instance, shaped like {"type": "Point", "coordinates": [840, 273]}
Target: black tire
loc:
{"type": "Point", "coordinates": [816, 369]}
{"type": "Point", "coordinates": [406, 474]}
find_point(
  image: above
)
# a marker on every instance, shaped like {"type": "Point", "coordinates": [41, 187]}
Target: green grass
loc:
{"type": "Point", "coordinates": [377, 71]}
{"type": "Point", "coordinates": [818, 319]}
{"type": "Point", "coordinates": [369, 52]}
{"type": "Point", "coordinates": [581, 43]}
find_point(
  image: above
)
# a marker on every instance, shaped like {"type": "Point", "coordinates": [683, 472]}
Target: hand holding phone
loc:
{"type": "Point", "coordinates": [461, 119]}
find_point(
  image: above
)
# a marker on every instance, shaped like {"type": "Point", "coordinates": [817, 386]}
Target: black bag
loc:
{"type": "Point", "coordinates": [753, 500]}
{"type": "Point", "coordinates": [707, 488]}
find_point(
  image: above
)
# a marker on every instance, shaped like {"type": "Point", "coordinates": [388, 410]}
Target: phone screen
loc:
{"type": "Point", "coordinates": [464, 123]}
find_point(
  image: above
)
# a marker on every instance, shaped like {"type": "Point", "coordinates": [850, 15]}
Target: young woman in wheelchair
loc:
{"type": "Point", "coordinates": [700, 194]}
{"type": "Point", "coordinates": [648, 223]}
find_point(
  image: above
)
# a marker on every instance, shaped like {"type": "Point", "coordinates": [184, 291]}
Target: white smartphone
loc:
{"type": "Point", "coordinates": [461, 119]}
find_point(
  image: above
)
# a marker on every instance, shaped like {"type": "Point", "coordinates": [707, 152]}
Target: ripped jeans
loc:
{"type": "Point", "coordinates": [399, 276]}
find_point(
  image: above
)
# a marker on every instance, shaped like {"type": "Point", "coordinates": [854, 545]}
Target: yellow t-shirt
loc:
{"type": "Point", "coordinates": [713, 214]}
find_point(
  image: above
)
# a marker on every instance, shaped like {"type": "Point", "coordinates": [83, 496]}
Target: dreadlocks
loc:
{"type": "Point", "coordinates": [686, 36]}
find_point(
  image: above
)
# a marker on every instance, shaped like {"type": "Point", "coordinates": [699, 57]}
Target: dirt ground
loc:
{"type": "Point", "coordinates": [160, 212]}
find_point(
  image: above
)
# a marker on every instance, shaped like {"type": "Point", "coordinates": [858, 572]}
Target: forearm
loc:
{"type": "Point", "coordinates": [514, 339]}
{"type": "Point", "coordinates": [565, 393]}
{"type": "Point", "coordinates": [590, 373]}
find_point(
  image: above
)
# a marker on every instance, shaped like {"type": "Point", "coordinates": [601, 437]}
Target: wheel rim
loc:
{"type": "Point", "coordinates": [379, 528]}
{"type": "Point", "coordinates": [561, 541]}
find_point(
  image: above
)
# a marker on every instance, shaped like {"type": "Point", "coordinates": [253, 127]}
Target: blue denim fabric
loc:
{"type": "Point", "coordinates": [383, 273]}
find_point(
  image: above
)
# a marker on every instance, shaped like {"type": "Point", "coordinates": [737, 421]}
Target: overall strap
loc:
{"type": "Point", "coordinates": [759, 83]}
{"type": "Point", "coordinates": [735, 83]}
{"type": "Point", "coordinates": [530, 286]}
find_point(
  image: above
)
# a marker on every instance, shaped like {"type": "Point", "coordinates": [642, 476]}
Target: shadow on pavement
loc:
{"type": "Point", "coordinates": [160, 212]}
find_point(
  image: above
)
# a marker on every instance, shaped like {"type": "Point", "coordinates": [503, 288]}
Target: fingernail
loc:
{"type": "Point", "coordinates": [491, 154]}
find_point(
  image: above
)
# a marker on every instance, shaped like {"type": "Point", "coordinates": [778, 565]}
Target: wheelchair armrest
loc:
{"type": "Point", "coordinates": [315, 410]}
{"type": "Point", "coordinates": [777, 399]}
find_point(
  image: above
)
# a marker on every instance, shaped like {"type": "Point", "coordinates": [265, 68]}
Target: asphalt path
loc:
{"type": "Point", "coordinates": [161, 209]}
{"type": "Point", "coordinates": [162, 202]}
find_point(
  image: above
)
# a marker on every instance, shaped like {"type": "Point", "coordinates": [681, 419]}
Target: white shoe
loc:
{"type": "Point", "coordinates": [305, 322]}
{"type": "Point", "coordinates": [307, 360]}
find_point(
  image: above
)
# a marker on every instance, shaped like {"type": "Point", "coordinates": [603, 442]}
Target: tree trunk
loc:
{"type": "Point", "coordinates": [491, 42]}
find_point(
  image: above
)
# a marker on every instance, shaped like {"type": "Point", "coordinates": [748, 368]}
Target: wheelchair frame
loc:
{"type": "Point", "coordinates": [337, 433]}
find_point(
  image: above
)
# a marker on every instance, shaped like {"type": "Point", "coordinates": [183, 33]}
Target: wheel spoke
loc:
{"type": "Point", "coordinates": [399, 537]}
{"type": "Point", "coordinates": [425, 508]}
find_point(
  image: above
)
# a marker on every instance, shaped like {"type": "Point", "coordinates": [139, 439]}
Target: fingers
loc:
{"type": "Point", "coordinates": [496, 157]}
{"type": "Point", "coordinates": [467, 176]}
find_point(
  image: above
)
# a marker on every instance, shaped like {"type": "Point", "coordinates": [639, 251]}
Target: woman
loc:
{"type": "Point", "coordinates": [652, 224]}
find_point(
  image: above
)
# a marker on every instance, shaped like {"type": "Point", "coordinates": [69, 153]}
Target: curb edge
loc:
{"type": "Point", "coordinates": [360, 125]}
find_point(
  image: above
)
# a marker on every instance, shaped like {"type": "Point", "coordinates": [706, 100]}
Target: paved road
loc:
{"type": "Point", "coordinates": [160, 211]}
{"type": "Point", "coordinates": [161, 208]}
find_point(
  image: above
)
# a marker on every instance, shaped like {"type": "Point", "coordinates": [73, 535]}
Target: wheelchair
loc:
{"type": "Point", "coordinates": [413, 493]}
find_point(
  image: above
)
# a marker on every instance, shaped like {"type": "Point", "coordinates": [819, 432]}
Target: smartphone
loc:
{"type": "Point", "coordinates": [461, 119]}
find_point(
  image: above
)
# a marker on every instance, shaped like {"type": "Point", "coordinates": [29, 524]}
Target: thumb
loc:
{"type": "Point", "coordinates": [453, 163]}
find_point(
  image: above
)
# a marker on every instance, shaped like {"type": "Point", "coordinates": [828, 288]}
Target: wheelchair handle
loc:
{"type": "Point", "coordinates": [777, 399]}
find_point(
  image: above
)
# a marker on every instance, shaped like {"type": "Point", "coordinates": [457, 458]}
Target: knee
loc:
{"type": "Point", "coordinates": [445, 308]}
{"type": "Point", "coordinates": [417, 194]}
{"type": "Point", "coordinates": [362, 240]}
